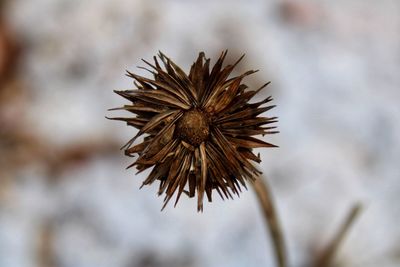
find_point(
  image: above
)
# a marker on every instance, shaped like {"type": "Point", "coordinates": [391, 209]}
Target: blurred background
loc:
{"type": "Point", "coordinates": [66, 198]}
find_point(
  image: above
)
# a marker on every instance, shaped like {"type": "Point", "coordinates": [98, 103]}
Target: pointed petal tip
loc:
{"type": "Point", "coordinates": [165, 204]}
{"type": "Point", "coordinates": [176, 202]}
{"type": "Point", "coordinates": [113, 109]}
{"type": "Point", "coordinates": [127, 168]}
{"type": "Point", "coordinates": [240, 59]}
{"type": "Point", "coordinates": [162, 55]}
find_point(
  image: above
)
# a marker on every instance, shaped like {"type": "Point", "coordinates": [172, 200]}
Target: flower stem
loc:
{"type": "Point", "coordinates": [267, 204]}
{"type": "Point", "coordinates": [327, 255]}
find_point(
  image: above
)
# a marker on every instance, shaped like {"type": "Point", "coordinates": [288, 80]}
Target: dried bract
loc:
{"type": "Point", "coordinates": [198, 128]}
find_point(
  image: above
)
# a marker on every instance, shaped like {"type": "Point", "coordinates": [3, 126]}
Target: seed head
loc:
{"type": "Point", "coordinates": [198, 128]}
{"type": "Point", "coordinates": [193, 127]}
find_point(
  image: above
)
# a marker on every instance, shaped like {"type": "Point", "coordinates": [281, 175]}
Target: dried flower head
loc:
{"type": "Point", "coordinates": [198, 128]}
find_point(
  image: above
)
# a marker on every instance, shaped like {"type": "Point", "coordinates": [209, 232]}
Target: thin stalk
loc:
{"type": "Point", "coordinates": [267, 204]}
{"type": "Point", "coordinates": [45, 252]}
{"type": "Point", "coordinates": [328, 254]}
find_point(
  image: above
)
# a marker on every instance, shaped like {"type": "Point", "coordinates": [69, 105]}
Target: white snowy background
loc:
{"type": "Point", "coordinates": [335, 72]}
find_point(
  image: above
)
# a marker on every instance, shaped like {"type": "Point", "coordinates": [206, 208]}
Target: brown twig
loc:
{"type": "Point", "coordinates": [266, 201]}
{"type": "Point", "coordinates": [326, 257]}
{"type": "Point", "coordinates": [45, 252]}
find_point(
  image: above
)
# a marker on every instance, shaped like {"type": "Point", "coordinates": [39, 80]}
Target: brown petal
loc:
{"type": "Point", "coordinates": [160, 156]}
{"type": "Point", "coordinates": [223, 143]}
{"type": "Point", "coordinates": [243, 98]}
{"type": "Point", "coordinates": [136, 149]}
{"type": "Point", "coordinates": [223, 171]}
{"type": "Point", "coordinates": [192, 184]}
{"type": "Point", "coordinates": [160, 139]}
{"type": "Point", "coordinates": [137, 107]}
{"type": "Point", "coordinates": [196, 74]}
{"type": "Point", "coordinates": [211, 81]}
{"type": "Point", "coordinates": [249, 155]}
{"type": "Point", "coordinates": [159, 119]}
{"type": "Point", "coordinates": [159, 171]}
{"type": "Point", "coordinates": [179, 168]}
{"type": "Point", "coordinates": [248, 131]}
{"type": "Point", "coordinates": [248, 142]}
{"type": "Point", "coordinates": [154, 122]}
{"type": "Point", "coordinates": [161, 97]}
{"type": "Point", "coordinates": [185, 176]}
{"type": "Point", "coordinates": [243, 114]}
{"type": "Point", "coordinates": [184, 79]}
{"type": "Point", "coordinates": [174, 168]}
{"type": "Point", "coordinates": [135, 122]}
{"type": "Point", "coordinates": [167, 79]}
{"type": "Point", "coordinates": [219, 83]}
{"type": "Point", "coordinates": [248, 122]}
{"type": "Point", "coordinates": [218, 105]}
{"type": "Point", "coordinates": [201, 189]}
{"type": "Point", "coordinates": [172, 91]}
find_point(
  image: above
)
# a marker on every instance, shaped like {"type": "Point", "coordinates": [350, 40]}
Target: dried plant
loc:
{"type": "Point", "coordinates": [199, 128]}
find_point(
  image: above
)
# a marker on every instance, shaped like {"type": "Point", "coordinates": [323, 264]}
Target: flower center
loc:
{"type": "Point", "coordinates": [193, 127]}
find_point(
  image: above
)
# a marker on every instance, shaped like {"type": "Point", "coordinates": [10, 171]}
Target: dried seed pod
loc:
{"type": "Point", "coordinates": [198, 128]}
